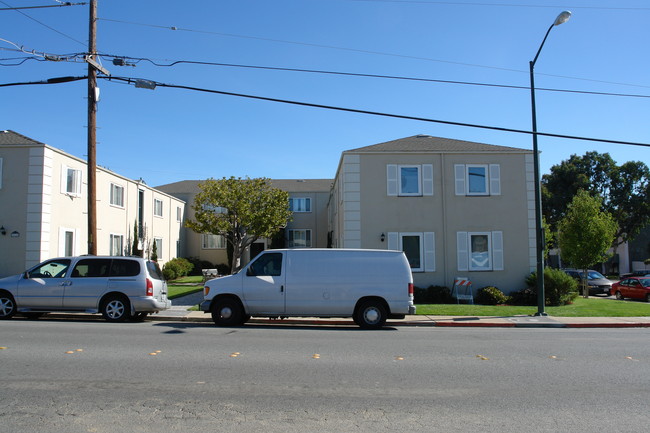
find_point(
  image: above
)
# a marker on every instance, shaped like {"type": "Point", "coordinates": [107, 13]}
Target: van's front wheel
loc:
{"type": "Point", "coordinates": [227, 312]}
{"type": "Point", "coordinates": [371, 315]}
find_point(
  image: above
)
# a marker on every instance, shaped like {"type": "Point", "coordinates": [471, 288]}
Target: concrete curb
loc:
{"type": "Point", "coordinates": [180, 315]}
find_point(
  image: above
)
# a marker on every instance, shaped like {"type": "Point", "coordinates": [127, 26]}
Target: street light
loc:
{"type": "Point", "coordinates": [539, 232]}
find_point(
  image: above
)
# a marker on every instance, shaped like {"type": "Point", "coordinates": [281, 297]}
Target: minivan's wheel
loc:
{"type": "Point", "coordinates": [227, 312]}
{"type": "Point", "coordinates": [7, 306]}
{"type": "Point", "coordinates": [371, 315]}
{"type": "Point", "coordinates": [116, 309]}
{"type": "Point", "coordinates": [619, 296]}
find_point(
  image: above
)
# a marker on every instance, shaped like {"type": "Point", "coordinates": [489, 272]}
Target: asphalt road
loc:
{"type": "Point", "coordinates": [172, 377]}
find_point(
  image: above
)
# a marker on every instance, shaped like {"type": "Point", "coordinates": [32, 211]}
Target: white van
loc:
{"type": "Point", "coordinates": [368, 285]}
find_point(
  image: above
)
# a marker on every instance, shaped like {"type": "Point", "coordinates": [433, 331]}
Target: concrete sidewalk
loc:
{"type": "Point", "coordinates": [180, 313]}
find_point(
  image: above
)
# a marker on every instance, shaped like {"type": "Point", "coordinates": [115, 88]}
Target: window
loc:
{"type": "Point", "coordinates": [269, 264]}
{"type": "Point", "coordinates": [89, 268]}
{"type": "Point", "coordinates": [300, 204]}
{"type": "Point", "coordinates": [71, 181]}
{"type": "Point", "coordinates": [419, 249]}
{"type": "Point", "coordinates": [126, 268]}
{"type": "Point", "coordinates": [179, 214]}
{"type": "Point", "coordinates": [67, 242]}
{"type": "Point", "coordinates": [157, 207]}
{"type": "Point", "coordinates": [116, 247]}
{"type": "Point", "coordinates": [409, 180]}
{"type": "Point", "coordinates": [215, 209]}
{"type": "Point", "coordinates": [480, 251]}
{"type": "Point", "coordinates": [52, 269]}
{"type": "Point", "coordinates": [477, 179]}
{"type": "Point", "coordinates": [213, 242]}
{"type": "Point", "coordinates": [117, 195]}
{"type": "Point", "coordinates": [158, 242]}
{"type": "Point", "coordinates": [300, 238]}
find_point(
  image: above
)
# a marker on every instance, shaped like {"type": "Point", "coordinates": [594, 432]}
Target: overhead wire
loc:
{"type": "Point", "coordinates": [333, 47]}
{"type": "Point", "coordinates": [450, 3]}
{"type": "Point", "coordinates": [153, 84]}
{"type": "Point", "coordinates": [41, 23]}
{"type": "Point", "coordinates": [355, 74]}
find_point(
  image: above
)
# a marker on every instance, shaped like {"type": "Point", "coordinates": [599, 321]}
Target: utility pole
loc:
{"type": "Point", "coordinates": [92, 125]}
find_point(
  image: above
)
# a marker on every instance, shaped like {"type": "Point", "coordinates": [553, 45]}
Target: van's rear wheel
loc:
{"type": "Point", "coordinates": [116, 309]}
{"type": "Point", "coordinates": [371, 315]}
{"type": "Point", "coordinates": [227, 312]}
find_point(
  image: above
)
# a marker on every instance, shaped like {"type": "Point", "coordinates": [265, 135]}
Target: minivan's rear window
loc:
{"type": "Point", "coordinates": [154, 270]}
{"type": "Point", "coordinates": [125, 268]}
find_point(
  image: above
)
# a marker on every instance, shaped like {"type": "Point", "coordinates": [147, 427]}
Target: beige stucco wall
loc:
{"type": "Point", "coordinates": [41, 211]}
{"type": "Point", "coordinates": [362, 211]}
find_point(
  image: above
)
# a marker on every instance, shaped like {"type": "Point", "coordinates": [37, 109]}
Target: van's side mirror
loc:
{"type": "Point", "coordinates": [26, 275]}
{"type": "Point", "coordinates": [250, 272]}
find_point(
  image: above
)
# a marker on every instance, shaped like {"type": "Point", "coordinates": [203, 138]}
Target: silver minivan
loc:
{"type": "Point", "coordinates": [119, 288]}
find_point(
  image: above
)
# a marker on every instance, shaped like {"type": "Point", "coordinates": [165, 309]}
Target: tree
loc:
{"type": "Point", "coordinates": [625, 191]}
{"type": "Point", "coordinates": [586, 233]}
{"type": "Point", "coordinates": [241, 210]}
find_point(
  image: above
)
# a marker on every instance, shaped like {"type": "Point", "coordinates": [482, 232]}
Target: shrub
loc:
{"type": "Point", "coordinates": [559, 288]}
{"type": "Point", "coordinates": [490, 295]}
{"type": "Point", "coordinates": [177, 268]}
{"type": "Point", "coordinates": [199, 265]}
{"type": "Point", "coordinates": [432, 295]}
{"type": "Point", "coordinates": [525, 297]}
{"type": "Point", "coordinates": [223, 268]}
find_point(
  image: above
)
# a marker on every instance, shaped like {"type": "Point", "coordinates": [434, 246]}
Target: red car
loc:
{"type": "Point", "coordinates": [632, 287]}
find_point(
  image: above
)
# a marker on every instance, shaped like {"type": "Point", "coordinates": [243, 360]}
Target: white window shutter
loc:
{"type": "Point", "coordinates": [64, 179]}
{"type": "Point", "coordinates": [495, 179]}
{"type": "Point", "coordinates": [429, 252]}
{"type": "Point", "coordinates": [393, 241]}
{"type": "Point", "coordinates": [497, 251]}
{"type": "Point", "coordinates": [391, 176]}
{"type": "Point", "coordinates": [462, 251]}
{"type": "Point", "coordinates": [427, 179]}
{"type": "Point", "coordinates": [459, 174]}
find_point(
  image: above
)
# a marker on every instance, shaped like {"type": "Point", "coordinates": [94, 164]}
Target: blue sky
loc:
{"type": "Point", "coordinates": [168, 134]}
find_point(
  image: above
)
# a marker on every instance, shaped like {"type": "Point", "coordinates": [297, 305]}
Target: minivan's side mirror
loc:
{"type": "Point", "coordinates": [250, 272]}
{"type": "Point", "coordinates": [26, 275]}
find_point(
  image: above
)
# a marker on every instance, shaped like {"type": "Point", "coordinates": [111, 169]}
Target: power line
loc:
{"type": "Point", "coordinates": [62, 4]}
{"type": "Point", "coordinates": [41, 23]}
{"type": "Point", "coordinates": [450, 3]}
{"type": "Point", "coordinates": [153, 84]}
{"type": "Point", "coordinates": [380, 53]}
{"type": "Point", "coordinates": [353, 74]}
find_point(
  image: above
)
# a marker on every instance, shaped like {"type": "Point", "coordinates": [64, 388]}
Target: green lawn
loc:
{"type": "Point", "coordinates": [581, 307]}
{"type": "Point", "coordinates": [193, 279]}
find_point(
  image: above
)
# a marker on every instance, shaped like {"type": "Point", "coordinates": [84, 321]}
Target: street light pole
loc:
{"type": "Point", "coordinates": [539, 231]}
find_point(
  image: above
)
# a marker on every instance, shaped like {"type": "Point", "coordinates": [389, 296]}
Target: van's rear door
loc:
{"type": "Point", "coordinates": [263, 284]}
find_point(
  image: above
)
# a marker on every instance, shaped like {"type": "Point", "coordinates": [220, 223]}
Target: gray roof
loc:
{"type": "Point", "coordinates": [289, 185]}
{"type": "Point", "coordinates": [12, 138]}
{"type": "Point", "coordinates": [427, 143]}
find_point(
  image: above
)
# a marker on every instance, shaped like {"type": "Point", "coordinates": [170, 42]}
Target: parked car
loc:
{"type": "Point", "coordinates": [596, 282]}
{"type": "Point", "coordinates": [633, 287]}
{"type": "Point", "coordinates": [119, 288]}
{"type": "Point", "coordinates": [368, 285]}
{"type": "Point", "coordinates": [645, 273]}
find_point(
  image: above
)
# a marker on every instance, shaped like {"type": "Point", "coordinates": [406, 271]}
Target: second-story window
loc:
{"type": "Point", "coordinates": [300, 204]}
{"type": "Point", "coordinates": [71, 182]}
{"type": "Point", "coordinates": [157, 207]}
{"type": "Point", "coordinates": [409, 180]}
{"type": "Point", "coordinates": [117, 195]}
{"type": "Point", "coordinates": [477, 179]}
